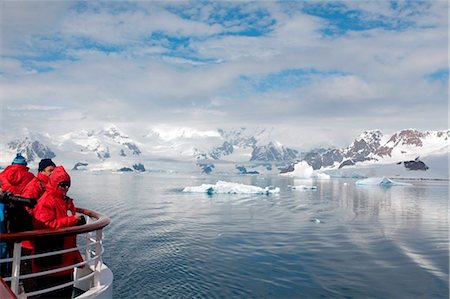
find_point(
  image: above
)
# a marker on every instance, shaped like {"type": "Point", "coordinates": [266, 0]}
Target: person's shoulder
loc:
{"type": "Point", "coordinates": [31, 185]}
{"type": "Point", "coordinates": [7, 170]}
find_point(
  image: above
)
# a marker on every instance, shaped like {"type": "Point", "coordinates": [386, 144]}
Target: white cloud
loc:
{"type": "Point", "coordinates": [380, 72]}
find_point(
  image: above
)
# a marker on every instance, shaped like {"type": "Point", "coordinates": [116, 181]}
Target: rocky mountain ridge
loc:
{"type": "Point", "coordinates": [373, 146]}
{"type": "Point", "coordinates": [243, 150]}
{"type": "Point", "coordinates": [110, 148]}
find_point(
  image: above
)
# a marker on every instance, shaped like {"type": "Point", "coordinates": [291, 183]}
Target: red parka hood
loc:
{"type": "Point", "coordinates": [58, 175]}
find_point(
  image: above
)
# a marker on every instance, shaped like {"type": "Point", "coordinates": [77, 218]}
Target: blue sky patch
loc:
{"type": "Point", "coordinates": [343, 19]}
{"type": "Point", "coordinates": [236, 18]}
{"type": "Point", "coordinates": [287, 79]}
{"type": "Point", "coordinates": [439, 75]}
{"type": "Point", "coordinates": [111, 7]}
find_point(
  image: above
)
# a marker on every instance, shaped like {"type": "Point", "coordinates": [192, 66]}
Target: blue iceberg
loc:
{"type": "Point", "coordinates": [383, 181]}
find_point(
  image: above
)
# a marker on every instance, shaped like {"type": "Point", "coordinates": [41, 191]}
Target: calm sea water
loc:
{"type": "Point", "coordinates": [372, 242]}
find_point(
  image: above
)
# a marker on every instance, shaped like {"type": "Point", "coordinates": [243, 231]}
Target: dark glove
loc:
{"type": "Point", "coordinates": [82, 220]}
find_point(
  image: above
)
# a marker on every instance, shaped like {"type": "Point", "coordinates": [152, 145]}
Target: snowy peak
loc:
{"type": "Point", "coordinates": [31, 149]}
{"type": "Point", "coordinates": [413, 141]}
{"type": "Point", "coordinates": [118, 137]}
{"type": "Point", "coordinates": [104, 144]}
{"type": "Point", "coordinates": [363, 146]}
{"type": "Point", "coordinates": [273, 152]}
{"type": "Point", "coordinates": [372, 139]}
{"type": "Point", "coordinates": [371, 146]}
{"type": "Point", "coordinates": [249, 145]}
{"type": "Point", "coordinates": [240, 137]}
{"type": "Point", "coordinates": [408, 137]}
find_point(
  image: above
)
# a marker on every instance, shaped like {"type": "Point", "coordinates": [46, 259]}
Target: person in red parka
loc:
{"type": "Point", "coordinates": [34, 189]}
{"type": "Point", "coordinates": [56, 210]}
{"type": "Point", "coordinates": [16, 176]}
{"type": "Point", "coordinates": [12, 219]}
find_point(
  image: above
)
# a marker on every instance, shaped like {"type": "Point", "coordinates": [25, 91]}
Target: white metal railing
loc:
{"type": "Point", "coordinates": [89, 235]}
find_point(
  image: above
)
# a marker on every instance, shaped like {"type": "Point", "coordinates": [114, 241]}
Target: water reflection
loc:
{"type": "Point", "coordinates": [371, 241]}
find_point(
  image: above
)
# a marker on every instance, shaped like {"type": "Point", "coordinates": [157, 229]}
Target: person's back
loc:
{"type": "Point", "coordinates": [16, 176]}
{"type": "Point", "coordinates": [13, 179]}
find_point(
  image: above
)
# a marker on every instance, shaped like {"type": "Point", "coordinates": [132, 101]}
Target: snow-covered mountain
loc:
{"type": "Point", "coordinates": [374, 147]}
{"type": "Point", "coordinates": [238, 151]}
{"type": "Point", "coordinates": [106, 143]}
{"type": "Point", "coordinates": [243, 145]}
{"type": "Point", "coordinates": [34, 150]}
{"type": "Point", "coordinates": [111, 149]}
{"type": "Point", "coordinates": [107, 148]}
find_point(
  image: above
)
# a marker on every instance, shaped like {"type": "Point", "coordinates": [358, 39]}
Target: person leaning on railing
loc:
{"type": "Point", "coordinates": [13, 179]}
{"type": "Point", "coordinates": [34, 189]}
{"type": "Point", "coordinates": [56, 210]}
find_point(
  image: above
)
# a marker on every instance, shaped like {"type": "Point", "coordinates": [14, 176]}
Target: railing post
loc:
{"type": "Point", "coordinates": [98, 253]}
{"type": "Point", "coordinates": [87, 251]}
{"type": "Point", "coordinates": [16, 268]}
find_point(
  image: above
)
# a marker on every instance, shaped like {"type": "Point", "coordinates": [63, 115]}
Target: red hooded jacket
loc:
{"type": "Point", "coordinates": [34, 189]}
{"type": "Point", "coordinates": [15, 177]}
{"type": "Point", "coordinates": [55, 210]}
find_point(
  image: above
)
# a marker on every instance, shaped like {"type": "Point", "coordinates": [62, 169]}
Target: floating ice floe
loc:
{"type": "Point", "coordinates": [315, 220]}
{"type": "Point", "coordinates": [303, 170]}
{"type": "Point", "coordinates": [303, 187]}
{"type": "Point", "coordinates": [383, 181]}
{"type": "Point", "coordinates": [231, 188]}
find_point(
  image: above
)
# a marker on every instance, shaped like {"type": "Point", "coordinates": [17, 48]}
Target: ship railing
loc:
{"type": "Point", "coordinates": [90, 238]}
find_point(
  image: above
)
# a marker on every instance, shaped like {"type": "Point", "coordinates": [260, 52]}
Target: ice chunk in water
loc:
{"type": "Point", "coordinates": [383, 181]}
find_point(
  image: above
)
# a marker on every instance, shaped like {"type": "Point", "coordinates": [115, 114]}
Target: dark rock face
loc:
{"type": "Point", "coordinates": [79, 165]}
{"type": "Point", "coordinates": [206, 167]}
{"type": "Point", "coordinates": [226, 149]}
{"type": "Point", "coordinates": [331, 156]}
{"type": "Point", "coordinates": [135, 167]}
{"type": "Point", "coordinates": [324, 158]}
{"type": "Point", "coordinates": [41, 150]}
{"type": "Point", "coordinates": [120, 138]}
{"type": "Point", "coordinates": [271, 152]}
{"type": "Point", "coordinates": [360, 151]}
{"type": "Point", "coordinates": [32, 150]}
{"type": "Point", "coordinates": [139, 167]}
{"type": "Point", "coordinates": [415, 165]}
{"type": "Point", "coordinates": [243, 170]}
{"type": "Point", "coordinates": [346, 163]}
{"type": "Point", "coordinates": [408, 137]}
{"type": "Point", "coordinates": [289, 168]}
{"type": "Point", "coordinates": [363, 146]}
{"type": "Point", "coordinates": [368, 147]}
{"type": "Point", "coordinates": [133, 148]}
{"type": "Point", "coordinates": [314, 160]}
{"type": "Point", "coordinates": [103, 155]}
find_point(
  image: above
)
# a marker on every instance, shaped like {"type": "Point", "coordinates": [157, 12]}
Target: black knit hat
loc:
{"type": "Point", "coordinates": [44, 163]}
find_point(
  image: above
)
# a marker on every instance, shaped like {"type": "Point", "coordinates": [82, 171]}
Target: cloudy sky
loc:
{"type": "Point", "coordinates": [316, 72]}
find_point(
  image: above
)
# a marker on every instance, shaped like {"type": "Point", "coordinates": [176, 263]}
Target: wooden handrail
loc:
{"type": "Point", "coordinates": [100, 223]}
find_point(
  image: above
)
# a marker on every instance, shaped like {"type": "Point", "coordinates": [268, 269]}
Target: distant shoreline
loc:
{"type": "Point", "coordinates": [419, 179]}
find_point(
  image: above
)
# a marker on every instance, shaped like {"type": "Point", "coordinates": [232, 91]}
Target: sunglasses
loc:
{"type": "Point", "coordinates": [64, 184]}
